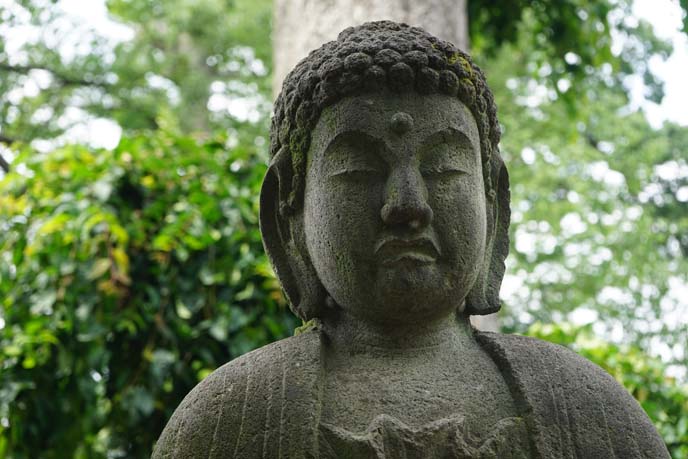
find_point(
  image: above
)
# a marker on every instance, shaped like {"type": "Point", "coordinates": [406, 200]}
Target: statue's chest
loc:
{"type": "Point", "coordinates": [415, 392]}
{"type": "Point", "coordinates": [420, 411]}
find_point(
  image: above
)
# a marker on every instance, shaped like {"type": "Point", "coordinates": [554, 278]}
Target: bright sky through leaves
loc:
{"type": "Point", "coordinates": [86, 17]}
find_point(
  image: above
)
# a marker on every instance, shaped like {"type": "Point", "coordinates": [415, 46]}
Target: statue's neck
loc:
{"type": "Point", "coordinates": [351, 334]}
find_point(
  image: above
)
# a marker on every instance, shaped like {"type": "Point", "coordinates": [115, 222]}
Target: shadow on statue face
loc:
{"type": "Point", "coordinates": [394, 207]}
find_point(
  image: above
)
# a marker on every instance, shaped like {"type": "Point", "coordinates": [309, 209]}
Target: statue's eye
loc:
{"type": "Point", "coordinates": [356, 168]}
{"type": "Point", "coordinates": [354, 161]}
{"type": "Point", "coordinates": [443, 165]}
{"type": "Point", "coordinates": [442, 171]}
{"type": "Point", "coordinates": [446, 154]}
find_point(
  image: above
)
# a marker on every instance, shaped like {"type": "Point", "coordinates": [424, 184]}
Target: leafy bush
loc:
{"type": "Point", "coordinates": [662, 397]}
{"type": "Point", "coordinates": [126, 277]}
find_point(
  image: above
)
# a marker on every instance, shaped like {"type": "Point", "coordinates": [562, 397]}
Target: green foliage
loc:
{"type": "Point", "coordinates": [663, 398]}
{"type": "Point", "coordinates": [182, 53]}
{"type": "Point", "coordinates": [598, 226]}
{"type": "Point", "coordinates": [126, 277]}
{"type": "Point", "coordinates": [571, 40]}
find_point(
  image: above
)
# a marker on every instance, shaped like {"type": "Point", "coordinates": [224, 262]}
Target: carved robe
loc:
{"type": "Point", "coordinates": [266, 404]}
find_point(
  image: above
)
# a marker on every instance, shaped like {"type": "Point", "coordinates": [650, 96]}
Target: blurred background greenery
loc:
{"type": "Point", "coordinates": [132, 153]}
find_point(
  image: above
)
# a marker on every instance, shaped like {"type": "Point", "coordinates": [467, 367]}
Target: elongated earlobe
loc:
{"type": "Point", "coordinates": [284, 241]}
{"type": "Point", "coordinates": [484, 296]}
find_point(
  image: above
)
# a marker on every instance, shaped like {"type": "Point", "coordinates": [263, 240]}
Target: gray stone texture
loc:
{"type": "Point", "coordinates": [385, 215]}
{"type": "Point", "coordinates": [267, 404]}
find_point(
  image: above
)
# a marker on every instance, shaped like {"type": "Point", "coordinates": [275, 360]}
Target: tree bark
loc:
{"type": "Point", "coordinates": [300, 26]}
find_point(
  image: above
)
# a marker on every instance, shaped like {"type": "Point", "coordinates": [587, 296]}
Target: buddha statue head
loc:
{"type": "Point", "coordinates": [385, 183]}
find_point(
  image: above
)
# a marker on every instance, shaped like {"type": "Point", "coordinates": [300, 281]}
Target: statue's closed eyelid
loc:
{"type": "Point", "coordinates": [354, 166]}
{"type": "Point", "coordinates": [443, 170]}
{"type": "Point", "coordinates": [447, 152]}
{"type": "Point", "coordinates": [349, 157]}
{"type": "Point", "coordinates": [445, 162]}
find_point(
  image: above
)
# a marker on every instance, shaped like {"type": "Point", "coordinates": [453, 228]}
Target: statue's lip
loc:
{"type": "Point", "coordinates": [394, 249]}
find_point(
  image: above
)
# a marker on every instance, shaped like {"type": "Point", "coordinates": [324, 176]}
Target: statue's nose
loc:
{"type": "Point", "coordinates": [406, 200]}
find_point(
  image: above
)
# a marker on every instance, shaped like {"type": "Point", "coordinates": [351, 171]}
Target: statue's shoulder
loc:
{"type": "Point", "coordinates": [534, 359]}
{"type": "Point", "coordinates": [241, 398]}
{"type": "Point", "coordinates": [573, 401]}
{"type": "Point", "coordinates": [535, 355]}
{"type": "Point", "coordinates": [535, 363]}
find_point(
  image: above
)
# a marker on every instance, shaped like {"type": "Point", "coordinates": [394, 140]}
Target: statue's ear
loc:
{"type": "Point", "coordinates": [484, 296]}
{"type": "Point", "coordinates": [284, 240]}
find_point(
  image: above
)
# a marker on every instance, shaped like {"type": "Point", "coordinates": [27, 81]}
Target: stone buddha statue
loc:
{"type": "Point", "coordinates": [385, 214]}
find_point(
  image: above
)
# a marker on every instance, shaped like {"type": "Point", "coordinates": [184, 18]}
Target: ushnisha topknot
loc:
{"type": "Point", "coordinates": [370, 58]}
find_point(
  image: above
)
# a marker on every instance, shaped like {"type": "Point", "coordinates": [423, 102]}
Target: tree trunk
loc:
{"type": "Point", "coordinates": [300, 26]}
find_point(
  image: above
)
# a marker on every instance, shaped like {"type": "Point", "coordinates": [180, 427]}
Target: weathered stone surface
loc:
{"type": "Point", "coordinates": [385, 213]}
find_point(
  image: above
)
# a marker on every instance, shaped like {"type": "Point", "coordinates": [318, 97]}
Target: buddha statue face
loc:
{"type": "Point", "coordinates": [394, 207]}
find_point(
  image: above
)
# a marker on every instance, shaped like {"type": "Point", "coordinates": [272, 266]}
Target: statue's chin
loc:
{"type": "Point", "coordinates": [409, 293]}
{"type": "Point", "coordinates": [410, 289]}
